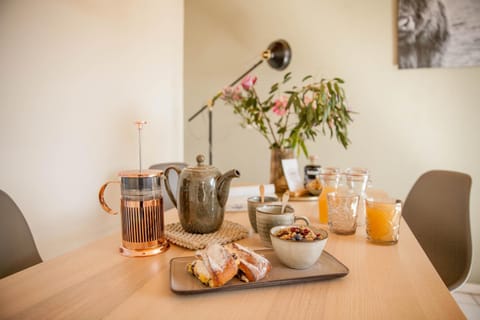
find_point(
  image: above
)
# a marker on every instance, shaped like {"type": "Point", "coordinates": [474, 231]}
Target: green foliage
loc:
{"type": "Point", "coordinates": [296, 115]}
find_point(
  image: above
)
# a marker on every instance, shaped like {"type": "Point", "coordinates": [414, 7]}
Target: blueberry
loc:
{"type": "Point", "coordinates": [298, 237]}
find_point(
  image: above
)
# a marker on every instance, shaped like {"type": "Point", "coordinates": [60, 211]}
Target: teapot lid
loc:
{"type": "Point", "coordinates": [201, 165]}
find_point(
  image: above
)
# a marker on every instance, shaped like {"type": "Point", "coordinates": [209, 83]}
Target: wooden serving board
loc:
{"type": "Point", "coordinates": [326, 267]}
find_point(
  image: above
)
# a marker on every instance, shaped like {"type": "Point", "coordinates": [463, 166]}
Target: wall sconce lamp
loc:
{"type": "Point", "coordinates": [277, 55]}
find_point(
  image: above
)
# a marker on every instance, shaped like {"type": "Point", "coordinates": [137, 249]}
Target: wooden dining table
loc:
{"type": "Point", "coordinates": [96, 282]}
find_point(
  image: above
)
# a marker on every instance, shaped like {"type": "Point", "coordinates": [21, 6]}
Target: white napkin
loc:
{"type": "Point", "coordinates": [237, 197]}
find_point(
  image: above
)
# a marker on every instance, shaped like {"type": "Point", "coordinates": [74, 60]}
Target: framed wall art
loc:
{"type": "Point", "coordinates": [438, 33]}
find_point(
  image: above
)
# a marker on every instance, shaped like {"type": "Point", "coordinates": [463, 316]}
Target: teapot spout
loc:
{"type": "Point", "coordinates": [223, 186]}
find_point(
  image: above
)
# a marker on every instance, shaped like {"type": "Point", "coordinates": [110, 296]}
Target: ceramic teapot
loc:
{"type": "Point", "coordinates": [202, 194]}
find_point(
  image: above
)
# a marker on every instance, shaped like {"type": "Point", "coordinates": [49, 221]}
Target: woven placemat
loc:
{"type": "Point", "coordinates": [228, 232]}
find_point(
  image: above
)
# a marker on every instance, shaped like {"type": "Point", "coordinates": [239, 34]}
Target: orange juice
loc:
{"type": "Point", "coordinates": [322, 203]}
{"type": "Point", "coordinates": [383, 221]}
{"type": "Point", "coordinates": [329, 178]}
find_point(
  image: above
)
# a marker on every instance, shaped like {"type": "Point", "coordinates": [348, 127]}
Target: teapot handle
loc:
{"type": "Point", "coordinates": [167, 184]}
{"type": "Point", "coordinates": [101, 198]}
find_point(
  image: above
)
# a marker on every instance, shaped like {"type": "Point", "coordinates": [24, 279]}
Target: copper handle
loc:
{"type": "Point", "coordinates": [101, 198]}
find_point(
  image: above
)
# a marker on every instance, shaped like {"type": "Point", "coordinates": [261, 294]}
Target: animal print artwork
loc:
{"type": "Point", "coordinates": [438, 33]}
{"type": "Point", "coordinates": [423, 33]}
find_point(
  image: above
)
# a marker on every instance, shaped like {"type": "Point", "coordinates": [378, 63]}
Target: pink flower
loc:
{"type": "Point", "coordinates": [280, 106]}
{"type": "Point", "coordinates": [307, 100]}
{"type": "Point", "coordinates": [231, 93]}
{"type": "Point", "coordinates": [248, 82]}
{"type": "Point", "coordinates": [237, 93]}
{"type": "Point", "coordinates": [227, 92]}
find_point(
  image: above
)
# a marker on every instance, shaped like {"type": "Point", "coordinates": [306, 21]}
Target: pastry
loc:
{"type": "Point", "coordinates": [215, 266]}
{"type": "Point", "coordinates": [252, 266]}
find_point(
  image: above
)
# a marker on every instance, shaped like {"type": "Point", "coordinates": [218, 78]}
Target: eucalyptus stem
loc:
{"type": "Point", "coordinates": [296, 120]}
{"type": "Point", "coordinates": [266, 118]}
{"type": "Point", "coordinates": [285, 126]}
{"type": "Point", "coordinates": [268, 139]}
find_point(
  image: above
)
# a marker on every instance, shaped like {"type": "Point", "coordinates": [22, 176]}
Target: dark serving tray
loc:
{"type": "Point", "coordinates": [327, 267]}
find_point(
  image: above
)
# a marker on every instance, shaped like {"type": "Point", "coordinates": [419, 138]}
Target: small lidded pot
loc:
{"type": "Point", "coordinates": [202, 192]}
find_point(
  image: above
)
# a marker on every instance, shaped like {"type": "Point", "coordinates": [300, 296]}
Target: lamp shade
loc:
{"type": "Point", "coordinates": [279, 54]}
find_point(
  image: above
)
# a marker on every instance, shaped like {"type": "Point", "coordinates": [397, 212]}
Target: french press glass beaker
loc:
{"type": "Point", "coordinates": [141, 207]}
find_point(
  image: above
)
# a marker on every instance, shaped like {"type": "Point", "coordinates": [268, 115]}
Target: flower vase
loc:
{"type": "Point", "coordinates": [277, 177]}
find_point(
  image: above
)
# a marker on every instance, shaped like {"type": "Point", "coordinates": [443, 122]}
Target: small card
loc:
{"type": "Point", "coordinates": [292, 174]}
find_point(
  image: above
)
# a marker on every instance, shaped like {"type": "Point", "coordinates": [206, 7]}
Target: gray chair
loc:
{"type": "Point", "coordinates": [17, 246]}
{"type": "Point", "coordinates": [167, 203]}
{"type": "Point", "coordinates": [437, 211]}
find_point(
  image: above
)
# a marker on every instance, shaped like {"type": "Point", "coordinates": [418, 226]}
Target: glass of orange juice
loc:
{"type": "Point", "coordinates": [329, 178]}
{"type": "Point", "coordinates": [383, 220]}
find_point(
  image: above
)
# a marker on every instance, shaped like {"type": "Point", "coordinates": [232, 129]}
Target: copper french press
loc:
{"type": "Point", "coordinates": [141, 207]}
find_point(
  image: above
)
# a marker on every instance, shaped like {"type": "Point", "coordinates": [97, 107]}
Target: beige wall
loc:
{"type": "Point", "coordinates": [74, 76]}
{"type": "Point", "coordinates": [408, 122]}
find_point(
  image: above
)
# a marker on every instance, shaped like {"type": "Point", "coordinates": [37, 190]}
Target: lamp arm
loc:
{"type": "Point", "coordinates": [231, 85]}
{"type": "Point", "coordinates": [246, 72]}
{"type": "Point", "coordinates": [277, 55]}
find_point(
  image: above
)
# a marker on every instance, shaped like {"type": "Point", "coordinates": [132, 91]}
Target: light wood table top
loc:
{"type": "Point", "coordinates": [93, 282]}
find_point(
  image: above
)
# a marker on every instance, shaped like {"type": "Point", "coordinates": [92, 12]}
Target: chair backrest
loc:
{"type": "Point", "coordinates": [437, 211]}
{"type": "Point", "coordinates": [17, 246]}
{"type": "Point", "coordinates": [167, 203]}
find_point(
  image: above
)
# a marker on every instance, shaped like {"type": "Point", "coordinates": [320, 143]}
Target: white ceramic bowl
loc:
{"type": "Point", "coordinates": [298, 254]}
